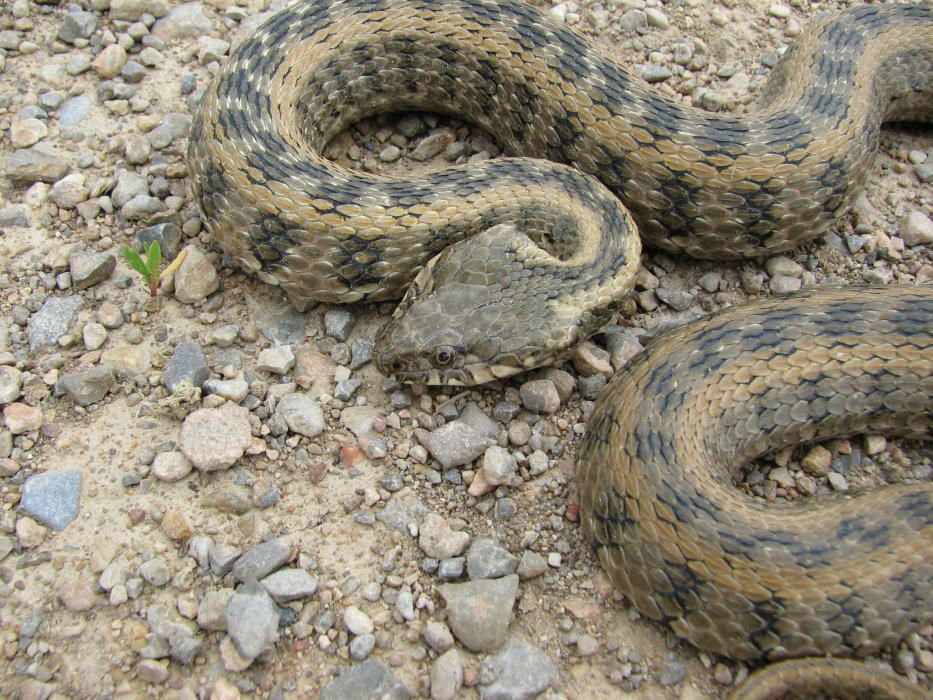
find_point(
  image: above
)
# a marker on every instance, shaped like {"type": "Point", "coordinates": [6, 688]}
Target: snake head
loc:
{"type": "Point", "coordinates": [483, 309]}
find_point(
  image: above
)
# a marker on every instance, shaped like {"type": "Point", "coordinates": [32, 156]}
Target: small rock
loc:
{"type": "Point", "coordinates": [446, 676]}
{"type": "Point", "coordinates": [302, 414]}
{"type": "Point", "coordinates": [78, 594]}
{"type": "Point", "coordinates": [252, 620]}
{"type": "Point", "coordinates": [499, 466]}
{"type": "Point", "coordinates": [211, 614]}
{"type": "Point", "coordinates": [587, 645]}
{"type": "Point", "coordinates": [286, 585]}
{"type": "Point", "coordinates": [95, 335]}
{"type": "Point", "coordinates": [433, 144]}
{"type": "Point", "coordinates": [39, 163]}
{"type": "Point", "coordinates": [215, 438]}
{"type": "Point", "coordinates": [479, 612]}
{"type": "Point", "coordinates": [519, 671]}
{"type": "Point", "coordinates": [540, 396]}
{"type": "Point", "coordinates": [11, 380]}
{"type": "Point", "coordinates": [531, 564]}
{"type": "Point", "coordinates": [152, 671]}
{"type": "Point", "coordinates": [77, 25]}
{"type": "Point", "coordinates": [74, 111]}
{"type": "Point", "coordinates": [155, 572]}
{"type": "Point", "coordinates": [817, 461]}
{"type": "Point", "coordinates": [438, 540]}
{"type": "Point", "coordinates": [338, 323]}
{"type": "Point", "coordinates": [672, 672]}
{"type": "Point", "coordinates": [454, 444]}
{"type": "Point", "coordinates": [369, 680]}
{"type": "Point", "coordinates": [21, 418]}
{"type": "Point", "coordinates": [110, 61]}
{"type": "Point", "coordinates": [780, 284]}
{"type": "Point", "coordinates": [171, 466]}
{"type": "Point", "coordinates": [177, 526]}
{"type": "Point", "coordinates": [188, 364]}
{"type": "Point", "coordinates": [196, 277]}
{"type": "Point", "coordinates": [357, 621]}
{"type": "Point", "coordinates": [487, 559]}
{"type": "Point", "coordinates": [361, 647]}
{"type": "Point", "coordinates": [438, 636]}
{"type": "Point", "coordinates": [262, 560]}
{"type": "Point", "coordinates": [89, 269]}
{"type": "Point", "coordinates": [277, 360]}
{"type": "Point", "coordinates": [182, 22]}
{"type": "Point", "coordinates": [26, 132]}
{"type": "Point", "coordinates": [874, 444]}
{"type": "Point", "coordinates": [30, 533]}
{"type": "Point", "coordinates": [53, 498]}
{"type": "Point", "coordinates": [88, 387]}
{"type": "Point", "coordinates": [653, 73]}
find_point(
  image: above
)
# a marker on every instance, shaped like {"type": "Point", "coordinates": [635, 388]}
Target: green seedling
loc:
{"type": "Point", "coordinates": [148, 266]}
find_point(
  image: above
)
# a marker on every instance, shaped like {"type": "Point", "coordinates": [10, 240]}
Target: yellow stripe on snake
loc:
{"type": "Point", "coordinates": [509, 263]}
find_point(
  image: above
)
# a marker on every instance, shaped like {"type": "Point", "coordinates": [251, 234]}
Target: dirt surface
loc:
{"type": "Point", "coordinates": [64, 634]}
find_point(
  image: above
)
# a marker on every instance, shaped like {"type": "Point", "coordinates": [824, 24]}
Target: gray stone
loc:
{"type": "Point", "coordinates": [519, 672]}
{"type": "Point", "coordinates": [11, 380]}
{"type": "Point", "coordinates": [399, 512]}
{"type": "Point", "coordinates": [302, 414]}
{"type": "Point", "coordinates": [653, 73]}
{"type": "Point", "coordinates": [183, 22]}
{"type": "Point", "coordinates": [13, 217]}
{"type": "Point", "coordinates": [211, 610]}
{"type": "Point", "coordinates": [277, 360]}
{"type": "Point", "coordinates": [74, 111]}
{"type": "Point", "coordinates": [438, 540]}
{"type": "Point", "coordinates": [171, 466]}
{"type": "Point", "coordinates": [89, 269]}
{"type": "Point", "coordinates": [167, 235]}
{"type": "Point", "coordinates": [338, 323]}
{"type": "Point", "coordinates": [188, 364]}
{"type": "Point", "coordinates": [916, 229]}
{"type": "Point", "coordinates": [781, 284]}
{"type": "Point", "coordinates": [455, 443]}
{"type": "Point", "coordinates": [369, 680]}
{"type": "Point", "coordinates": [196, 277]}
{"type": "Point", "coordinates": [52, 498]}
{"type": "Point", "coordinates": [438, 636]}
{"type": "Point", "coordinates": [183, 646]}
{"type": "Point", "coordinates": [231, 389]}
{"type": "Point", "coordinates": [362, 646]}
{"type": "Point", "coordinates": [132, 10]}
{"type": "Point", "coordinates": [487, 559]}
{"type": "Point", "coordinates": [479, 612]}
{"type": "Point", "coordinates": [252, 620]}
{"type": "Point", "coordinates": [142, 206]}
{"type": "Point", "coordinates": [262, 560]}
{"type": "Point", "coordinates": [677, 299]}
{"type": "Point", "coordinates": [129, 184]}
{"type": "Point", "coordinates": [77, 25]}
{"type": "Point", "coordinates": [40, 163]}
{"type": "Point", "coordinates": [289, 584]}
{"type": "Point", "coordinates": [155, 572]}
{"type": "Point", "coordinates": [540, 396]}
{"type": "Point", "coordinates": [531, 564]}
{"type": "Point", "coordinates": [432, 144]}
{"type": "Point", "coordinates": [672, 672]}
{"type": "Point", "coordinates": [222, 558]}
{"type": "Point", "coordinates": [451, 569]}
{"type": "Point", "coordinates": [53, 320]}
{"type": "Point", "coordinates": [359, 420]}
{"type": "Point", "coordinates": [446, 676]}
{"type": "Point", "coordinates": [90, 386]}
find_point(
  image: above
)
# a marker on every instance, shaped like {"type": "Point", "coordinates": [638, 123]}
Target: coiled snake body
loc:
{"type": "Point", "coordinates": [514, 260]}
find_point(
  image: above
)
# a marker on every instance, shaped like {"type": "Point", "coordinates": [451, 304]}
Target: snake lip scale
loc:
{"type": "Point", "coordinates": [506, 264]}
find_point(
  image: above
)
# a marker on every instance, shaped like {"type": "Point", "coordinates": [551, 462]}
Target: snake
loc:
{"type": "Point", "coordinates": [504, 265]}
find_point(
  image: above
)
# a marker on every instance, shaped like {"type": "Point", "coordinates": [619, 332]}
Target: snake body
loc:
{"type": "Point", "coordinates": [508, 263]}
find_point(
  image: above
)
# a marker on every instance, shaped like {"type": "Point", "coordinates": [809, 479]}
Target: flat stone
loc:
{"type": "Point", "coordinates": [519, 672]}
{"type": "Point", "coordinates": [52, 498]}
{"type": "Point", "coordinates": [916, 229]}
{"type": "Point", "coordinates": [401, 512]}
{"type": "Point", "coordinates": [277, 360]}
{"type": "Point", "coordinates": [446, 676]}
{"type": "Point", "coordinates": [196, 277]}
{"type": "Point", "coordinates": [211, 615]}
{"type": "Point", "coordinates": [252, 620]}
{"type": "Point", "coordinates": [454, 444]}
{"type": "Point", "coordinates": [338, 323]}
{"type": "Point", "coordinates": [75, 110]}
{"type": "Point", "coordinates": [77, 25]}
{"type": "Point", "coordinates": [817, 461]}
{"type": "Point", "coordinates": [479, 612]}
{"type": "Point", "coordinates": [488, 559]}
{"type": "Point", "coordinates": [215, 438]}
{"type": "Point", "coordinates": [132, 10]}
{"type": "Point", "coordinates": [189, 364]}
{"type": "Point", "coordinates": [370, 680]}
{"type": "Point", "coordinates": [540, 396]}
{"type": "Point", "coordinates": [89, 269]}
{"type": "Point", "coordinates": [88, 387]}
{"type": "Point", "coordinates": [359, 420]}
{"type": "Point", "coordinates": [183, 22]}
{"type": "Point", "coordinates": [302, 414]}
{"type": "Point", "coordinates": [27, 132]}
{"type": "Point", "coordinates": [39, 163]}
{"type": "Point", "coordinates": [531, 564]}
{"type": "Point", "coordinates": [11, 380]}
{"type": "Point", "coordinates": [166, 234]}
{"type": "Point", "coordinates": [289, 584]}
{"type": "Point", "coordinates": [262, 560]}
{"type": "Point", "coordinates": [110, 61]}
{"type": "Point", "coordinates": [438, 540]}
{"type": "Point", "coordinates": [22, 418]}
{"type": "Point", "coordinates": [171, 466]}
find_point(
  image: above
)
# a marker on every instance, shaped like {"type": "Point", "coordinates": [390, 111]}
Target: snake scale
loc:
{"type": "Point", "coordinates": [509, 263]}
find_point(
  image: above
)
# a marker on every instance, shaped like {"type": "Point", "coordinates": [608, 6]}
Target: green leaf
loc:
{"type": "Point", "coordinates": [135, 261]}
{"type": "Point", "coordinates": [153, 257]}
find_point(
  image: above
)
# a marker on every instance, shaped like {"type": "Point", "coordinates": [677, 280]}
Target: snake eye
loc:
{"type": "Point", "coordinates": [444, 356]}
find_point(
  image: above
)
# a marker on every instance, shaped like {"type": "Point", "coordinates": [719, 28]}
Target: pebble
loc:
{"type": "Point", "coordinates": [74, 111]}
{"type": "Point", "coordinates": [432, 144]}
{"type": "Point", "coordinates": [77, 25]}
{"type": "Point", "coordinates": [277, 360]}
{"type": "Point", "coordinates": [518, 671]}
{"type": "Point", "coordinates": [211, 609]}
{"type": "Point", "coordinates": [260, 561]}
{"type": "Point", "coordinates": [215, 438]}
{"type": "Point", "coordinates": [361, 647]}
{"type": "Point", "coordinates": [487, 559]}
{"type": "Point", "coordinates": [817, 461]}
{"type": "Point", "coordinates": [710, 282]}
{"type": "Point", "coordinates": [38, 163]}
{"type": "Point", "coordinates": [155, 572]}
{"type": "Point", "coordinates": [286, 585]}
{"type": "Point", "coordinates": [133, 10]}
{"type": "Point", "coordinates": [188, 364]}
{"type": "Point", "coordinates": [455, 444]}
{"type": "Point", "coordinates": [177, 526]}
{"type": "Point", "coordinates": [21, 418]}
{"type": "Point", "coordinates": [196, 277]}
{"type": "Point", "coordinates": [338, 323]}
{"type": "Point", "coordinates": [671, 673]}
{"type": "Point", "coordinates": [438, 636]}
{"type": "Point", "coordinates": [78, 593]}
{"type": "Point", "coordinates": [94, 335]}
{"type": "Point", "coordinates": [446, 676]}
{"type": "Point", "coordinates": [499, 466]}
{"type": "Point", "coordinates": [916, 229]}
{"type": "Point", "coordinates": [587, 645]}
{"type": "Point", "coordinates": [10, 383]}
{"type": "Point", "coordinates": [52, 498]}
{"type": "Point", "coordinates": [540, 396]}
{"type": "Point", "coordinates": [88, 387]}
{"type": "Point", "coordinates": [168, 235]}
{"type": "Point", "coordinates": [677, 299]}
{"type": "Point", "coordinates": [530, 565]}
{"type": "Point", "coordinates": [29, 533]}
{"type": "Point", "coordinates": [302, 414]}
{"type": "Point", "coordinates": [182, 22]}
{"type": "Point", "coordinates": [370, 680]}
{"type": "Point", "coordinates": [110, 61]}
{"type": "Point", "coordinates": [89, 269]}
{"type": "Point", "coordinates": [252, 620]}
{"type": "Point", "coordinates": [152, 671]}
{"type": "Point", "coordinates": [653, 73]}
{"type": "Point", "coordinates": [402, 512]}
{"type": "Point", "coordinates": [171, 466]}
{"type": "Point", "coordinates": [874, 444]}
{"type": "Point", "coordinates": [26, 132]}
{"type": "Point", "coordinates": [438, 540]}
{"type": "Point", "coordinates": [357, 621]}
{"type": "Point", "coordinates": [479, 612]}
{"type": "Point", "coordinates": [837, 481]}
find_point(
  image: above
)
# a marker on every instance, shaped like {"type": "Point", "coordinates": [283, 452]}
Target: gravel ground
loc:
{"type": "Point", "coordinates": [208, 494]}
